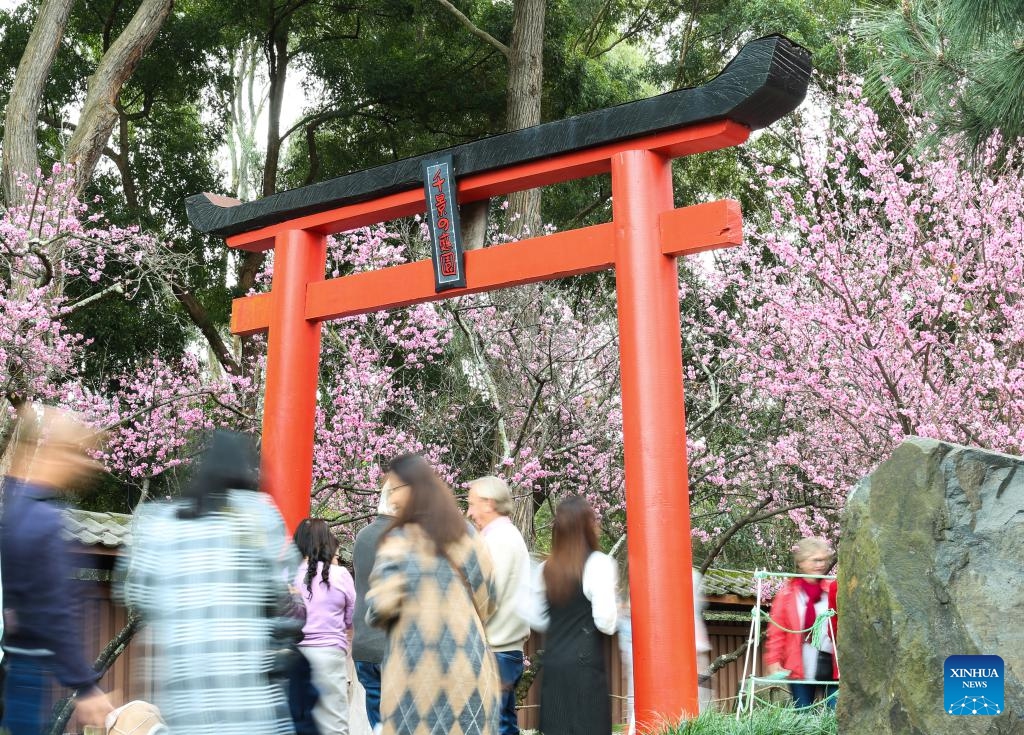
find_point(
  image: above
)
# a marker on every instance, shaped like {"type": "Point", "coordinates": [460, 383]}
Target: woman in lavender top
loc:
{"type": "Point", "coordinates": [329, 593]}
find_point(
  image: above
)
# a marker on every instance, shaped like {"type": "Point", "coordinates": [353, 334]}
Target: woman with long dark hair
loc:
{"type": "Point", "coordinates": [431, 589]}
{"type": "Point", "coordinates": [575, 603]}
{"type": "Point", "coordinates": [329, 594]}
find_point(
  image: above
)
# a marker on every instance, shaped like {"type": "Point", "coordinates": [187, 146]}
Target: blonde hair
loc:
{"type": "Point", "coordinates": [809, 545]}
{"type": "Point", "coordinates": [496, 489]}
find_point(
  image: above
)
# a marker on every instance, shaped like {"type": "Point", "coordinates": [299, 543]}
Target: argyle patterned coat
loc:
{"type": "Point", "coordinates": [438, 676]}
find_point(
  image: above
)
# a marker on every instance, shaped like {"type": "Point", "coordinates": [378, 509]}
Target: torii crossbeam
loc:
{"type": "Point", "coordinates": [636, 142]}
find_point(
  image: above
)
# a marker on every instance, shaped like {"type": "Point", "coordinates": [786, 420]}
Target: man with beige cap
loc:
{"type": "Point", "coordinates": [490, 505]}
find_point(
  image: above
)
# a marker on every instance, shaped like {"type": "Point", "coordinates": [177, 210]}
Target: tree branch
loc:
{"type": "Point", "coordinates": [475, 30]}
{"type": "Point", "coordinates": [147, 106]}
{"type": "Point", "coordinates": [70, 127]}
{"type": "Point", "coordinates": [82, 303]}
{"type": "Point", "coordinates": [529, 415]}
{"type": "Point", "coordinates": [320, 118]}
{"type": "Point", "coordinates": [600, 201]}
{"type": "Point", "coordinates": [103, 662]}
{"type": "Point", "coordinates": [152, 407]}
{"type": "Point", "coordinates": [728, 658]}
{"type": "Point", "coordinates": [754, 516]}
{"type": "Point", "coordinates": [201, 318]}
{"type": "Point", "coordinates": [114, 69]}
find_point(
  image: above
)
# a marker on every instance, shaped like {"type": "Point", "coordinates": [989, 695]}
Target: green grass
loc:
{"type": "Point", "coordinates": [769, 721]}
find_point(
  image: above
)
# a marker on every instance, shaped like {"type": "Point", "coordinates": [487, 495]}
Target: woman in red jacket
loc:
{"type": "Point", "coordinates": [795, 608]}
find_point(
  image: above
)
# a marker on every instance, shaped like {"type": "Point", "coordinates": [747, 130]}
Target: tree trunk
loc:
{"type": "Point", "coordinates": [277, 57]}
{"type": "Point", "coordinates": [523, 97]}
{"type": "Point", "coordinates": [99, 114]}
{"type": "Point", "coordinates": [473, 219]}
{"type": "Point", "coordinates": [245, 113]}
{"type": "Point", "coordinates": [525, 513]}
{"type": "Point", "coordinates": [21, 142]}
{"type": "Point", "coordinates": [131, 194]}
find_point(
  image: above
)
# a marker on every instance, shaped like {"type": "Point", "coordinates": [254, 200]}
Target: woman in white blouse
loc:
{"type": "Point", "coordinates": [574, 602]}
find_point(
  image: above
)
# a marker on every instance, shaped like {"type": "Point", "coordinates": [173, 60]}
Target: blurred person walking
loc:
{"type": "Point", "coordinates": [701, 639]}
{"type": "Point", "coordinates": [368, 642]}
{"type": "Point", "coordinates": [490, 505]}
{"type": "Point", "coordinates": [329, 594]}
{"type": "Point", "coordinates": [208, 573]}
{"type": "Point", "coordinates": [574, 602]}
{"type": "Point", "coordinates": [42, 607]}
{"type": "Point", "coordinates": [795, 608]}
{"type": "Point", "coordinates": [431, 588]}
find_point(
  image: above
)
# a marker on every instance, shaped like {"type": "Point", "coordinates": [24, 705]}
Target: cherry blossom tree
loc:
{"type": "Point", "coordinates": [520, 383]}
{"type": "Point", "coordinates": [882, 298]}
{"type": "Point", "coordinates": [52, 245]}
{"type": "Point", "coordinates": [879, 297]}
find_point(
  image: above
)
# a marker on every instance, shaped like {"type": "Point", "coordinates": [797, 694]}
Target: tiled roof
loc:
{"type": "Point", "coordinates": [97, 529]}
{"type": "Point", "coordinates": [721, 582]}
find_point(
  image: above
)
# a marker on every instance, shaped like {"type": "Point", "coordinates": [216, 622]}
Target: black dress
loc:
{"type": "Point", "coordinates": [574, 687]}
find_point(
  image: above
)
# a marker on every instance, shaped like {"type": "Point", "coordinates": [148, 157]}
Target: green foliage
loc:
{"type": "Point", "coordinates": [961, 61]}
{"type": "Point", "coordinates": [707, 33]}
{"type": "Point", "coordinates": [163, 150]}
{"type": "Point", "coordinates": [407, 81]}
{"type": "Point", "coordinates": [769, 721]}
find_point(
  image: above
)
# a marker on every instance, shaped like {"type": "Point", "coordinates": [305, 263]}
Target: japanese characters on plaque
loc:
{"type": "Point", "coordinates": [443, 220]}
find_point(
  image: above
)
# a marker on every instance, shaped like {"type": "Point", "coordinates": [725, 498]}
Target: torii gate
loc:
{"type": "Point", "coordinates": [636, 142]}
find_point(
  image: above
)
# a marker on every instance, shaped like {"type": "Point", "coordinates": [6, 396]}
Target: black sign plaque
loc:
{"type": "Point", "coordinates": [443, 221]}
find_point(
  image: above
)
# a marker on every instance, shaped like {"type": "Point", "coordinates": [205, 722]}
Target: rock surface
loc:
{"type": "Point", "coordinates": [931, 564]}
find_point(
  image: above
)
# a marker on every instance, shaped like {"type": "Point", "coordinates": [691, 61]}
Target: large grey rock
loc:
{"type": "Point", "coordinates": [931, 564]}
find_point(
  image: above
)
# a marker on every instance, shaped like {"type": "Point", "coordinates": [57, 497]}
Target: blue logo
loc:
{"type": "Point", "coordinates": [973, 685]}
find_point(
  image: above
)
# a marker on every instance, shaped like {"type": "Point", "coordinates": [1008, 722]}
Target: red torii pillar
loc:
{"type": "Point", "coordinates": [641, 244]}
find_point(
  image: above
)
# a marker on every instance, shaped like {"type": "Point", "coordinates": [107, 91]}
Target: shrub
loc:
{"type": "Point", "coordinates": [769, 721]}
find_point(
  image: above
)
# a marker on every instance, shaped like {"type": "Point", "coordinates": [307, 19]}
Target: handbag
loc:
{"type": "Point", "coordinates": [823, 667]}
{"type": "Point", "coordinates": [287, 618]}
{"type": "Point", "coordinates": [136, 718]}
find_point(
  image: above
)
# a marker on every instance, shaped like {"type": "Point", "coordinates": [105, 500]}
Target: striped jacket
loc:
{"type": "Point", "coordinates": [205, 586]}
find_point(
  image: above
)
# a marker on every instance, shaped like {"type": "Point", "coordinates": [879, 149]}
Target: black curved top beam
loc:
{"type": "Point", "coordinates": [765, 81]}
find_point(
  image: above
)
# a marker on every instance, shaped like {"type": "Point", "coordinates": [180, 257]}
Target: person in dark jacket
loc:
{"type": "Point", "coordinates": [42, 626]}
{"type": "Point", "coordinates": [368, 642]}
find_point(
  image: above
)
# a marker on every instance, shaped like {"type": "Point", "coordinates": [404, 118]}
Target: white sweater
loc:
{"type": "Point", "coordinates": [600, 577]}
{"type": "Point", "coordinates": [506, 630]}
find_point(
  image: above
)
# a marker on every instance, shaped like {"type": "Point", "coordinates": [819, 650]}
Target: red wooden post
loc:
{"type": "Point", "coordinates": [654, 433]}
{"type": "Point", "coordinates": [293, 360]}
